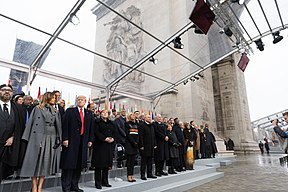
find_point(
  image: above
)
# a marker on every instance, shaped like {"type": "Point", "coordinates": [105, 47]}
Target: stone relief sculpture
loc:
{"type": "Point", "coordinates": [124, 45]}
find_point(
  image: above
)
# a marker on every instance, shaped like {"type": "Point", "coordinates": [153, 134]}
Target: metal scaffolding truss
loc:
{"type": "Point", "coordinates": [227, 16]}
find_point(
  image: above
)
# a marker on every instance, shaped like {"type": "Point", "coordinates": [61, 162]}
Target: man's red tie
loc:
{"type": "Point", "coordinates": [82, 120]}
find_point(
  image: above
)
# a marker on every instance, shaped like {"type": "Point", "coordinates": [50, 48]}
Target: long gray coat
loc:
{"type": "Point", "coordinates": [34, 134]}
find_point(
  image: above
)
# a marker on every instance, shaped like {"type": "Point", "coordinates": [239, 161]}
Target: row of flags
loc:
{"type": "Point", "coordinates": [112, 104]}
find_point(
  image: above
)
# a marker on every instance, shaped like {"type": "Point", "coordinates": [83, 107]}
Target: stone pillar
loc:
{"type": "Point", "coordinates": [231, 105]}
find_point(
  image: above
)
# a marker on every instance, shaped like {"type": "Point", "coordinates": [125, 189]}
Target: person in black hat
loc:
{"type": "Point", "coordinates": [11, 129]}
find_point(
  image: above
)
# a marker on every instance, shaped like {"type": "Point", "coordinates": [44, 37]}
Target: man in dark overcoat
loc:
{"type": "Point", "coordinates": [57, 106]}
{"type": "Point", "coordinates": [180, 137]}
{"type": "Point", "coordinates": [147, 145]}
{"type": "Point", "coordinates": [162, 150]}
{"type": "Point", "coordinates": [77, 136]}
{"type": "Point", "coordinates": [11, 128]}
{"type": "Point", "coordinates": [120, 134]}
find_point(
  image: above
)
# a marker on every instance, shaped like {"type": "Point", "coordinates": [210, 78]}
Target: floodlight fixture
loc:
{"type": "Point", "coordinates": [277, 37]}
{"type": "Point", "coordinates": [259, 44]}
{"type": "Point", "coordinates": [228, 31]}
{"type": "Point", "coordinates": [153, 60]}
{"type": "Point", "coordinates": [185, 82]}
{"type": "Point", "coordinates": [201, 74]}
{"type": "Point", "coordinates": [192, 79]}
{"type": "Point", "coordinates": [74, 19]}
{"type": "Point", "coordinates": [177, 43]}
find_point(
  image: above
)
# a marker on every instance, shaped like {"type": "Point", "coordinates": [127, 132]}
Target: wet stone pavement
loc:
{"type": "Point", "coordinates": [250, 173]}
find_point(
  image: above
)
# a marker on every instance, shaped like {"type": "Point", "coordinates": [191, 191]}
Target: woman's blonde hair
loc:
{"type": "Point", "coordinates": [129, 116]}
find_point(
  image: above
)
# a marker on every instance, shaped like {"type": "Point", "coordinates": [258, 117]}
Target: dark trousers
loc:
{"type": "Point", "coordinates": [181, 159]}
{"type": "Point", "coordinates": [208, 151]}
{"type": "Point", "coordinates": [146, 162]}
{"type": "Point", "coordinates": [101, 176]}
{"type": "Point", "coordinates": [70, 177]}
{"type": "Point", "coordinates": [130, 164]}
{"type": "Point", "coordinates": [5, 171]}
{"type": "Point", "coordinates": [159, 165]}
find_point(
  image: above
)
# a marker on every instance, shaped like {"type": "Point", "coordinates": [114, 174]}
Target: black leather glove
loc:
{"type": "Point", "coordinates": [57, 143]}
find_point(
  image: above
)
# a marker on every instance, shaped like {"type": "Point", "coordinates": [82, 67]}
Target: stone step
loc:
{"type": "Point", "coordinates": [19, 185]}
{"type": "Point", "coordinates": [215, 165]}
{"type": "Point", "coordinates": [188, 183]}
{"type": "Point", "coordinates": [225, 162]}
{"type": "Point", "coordinates": [178, 182]}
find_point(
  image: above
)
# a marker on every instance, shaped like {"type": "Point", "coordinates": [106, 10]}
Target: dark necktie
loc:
{"type": "Point", "coordinates": [82, 121]}
{"type": "Point", "coordinates": [5, 108]}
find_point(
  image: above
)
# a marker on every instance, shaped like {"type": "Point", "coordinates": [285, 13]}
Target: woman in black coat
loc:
{"type": "Point", "coordinates": [131, 145]}
{"type": "Point", "coordinates": [190, 139]}
{"type": "Point", "coordinates": [103, 147]}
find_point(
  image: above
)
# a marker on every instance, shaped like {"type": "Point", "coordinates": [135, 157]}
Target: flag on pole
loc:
{"type": "Point", "coordinates": [105, 104]}
{"type": "Point", "coordinates": [19, 88]}
{"type": "Point", "coordinates": [202, 16]}
{"type": "Point", "coordinates": [132, 109]}
{"type": "Point", "coordinates": [89, 100]}
{"type": "Point", "coordinates": [135, 107]}
{"type": "Point", "coordinates": [75, 103]}
{"type": "Point", "coordinates": [123, 107]}
{"type": "Point", "coordinates": [8, 81]}
{"type": "Point", "coordinates": [68, 100]}
{"type": "Point", "coordinates": [39, 93]}
{"type": "Point", "coordinates": [111, 104]}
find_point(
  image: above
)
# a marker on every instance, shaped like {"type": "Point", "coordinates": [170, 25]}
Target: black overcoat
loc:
{"type": "Point", "coordinates": [132, 138]}
{"type": "Point", "coordinates": [162, 150]}
{"type": "Point", "coordinates": [147, 139]}
{"type": "Point", "coordinates": [180, 137]}
{"type": "Point", "coordinates": [103, 151]}
{"type": "Point", "coordinates": [12, 155]}
{"type": "Point", "coordinates": [173, 145]}
{"type": "Point", "coordinates": [71, 127]}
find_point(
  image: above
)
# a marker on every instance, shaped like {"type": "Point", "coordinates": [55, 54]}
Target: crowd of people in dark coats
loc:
{"type": "Point", "coordinates": [40, 138]}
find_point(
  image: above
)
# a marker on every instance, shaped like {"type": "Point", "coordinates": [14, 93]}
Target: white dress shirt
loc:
{"type": "Point", "coordinates": [8, 106]}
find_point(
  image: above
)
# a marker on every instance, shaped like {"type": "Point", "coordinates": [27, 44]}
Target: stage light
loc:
{"type": "Point", "coordinates": [228, 31]}
{"type": "Point", "coordinates": [153, 60]}
{"type": "Point", "coordinates": [192, 79]}
{"type": "Point", "coordinates": [74, 19]}
{"type": "Point", "coordinates": [177, 43]}
{"type": "Point", "coordinates": [185, 82]}
{"type": "Point", "coordinates": [259, 44]}
{"type": "Point", "coordinates": [201, 74]}
{"type": "Point", "coordinates": [277, 37]}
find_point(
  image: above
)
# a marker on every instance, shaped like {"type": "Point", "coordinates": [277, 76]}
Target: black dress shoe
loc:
{"type": "Point", "coordinates": [143, 178]}
{"type": "Point", "coordinates": [152, 177]}
{"type": "Point", "coordinates": [107, 185]}
{"type": "Point", "coordinates": [164, 173]}
{"type": "Point", "coordinates": [76, 190]}
{"type": "Point", "coordinates": [158, 174]}
{"type": "Point", "coordinates": [98, 187]}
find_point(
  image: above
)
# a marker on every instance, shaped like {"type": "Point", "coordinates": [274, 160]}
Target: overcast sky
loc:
{"type": "Point", "coordinates": [265, 74]}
